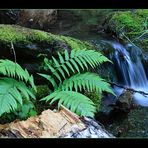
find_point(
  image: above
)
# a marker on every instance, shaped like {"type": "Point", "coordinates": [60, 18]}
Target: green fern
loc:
{"type": "Point", "coordinates": [75, 101]}
{"type": "Point", "coordinates": [88, 81]}
{"type": "Point", "coordinates": [66, 91]}
{"type": "Point", "coordinates": [75, 61]}
{"type": "Point", "coordinates": [14, 70]}
{"type": "Point", "coordinates": [12, 91]}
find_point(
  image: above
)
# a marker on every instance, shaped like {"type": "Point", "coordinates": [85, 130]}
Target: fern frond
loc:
{"type": "Point", "coordinates": [11, 92]}
{"type": "Point", "coordinates": [76, 59]}
{"type": "Point", "coordinates": [70, 66]}
{"type": "Point", "coordinates": [50, 79]}
{"type": "Point", "coordinates": [66, 55]}
{"type": "Point", "coordinates": [75, 64]}
{"type": "Point", "coordinates": [61, 58]}
{"type": "Point", "coordinates": [92, 57]}
{"type": "Point", "coordinates": [67, 63]}
{"type": "Point", "coordinates": [66, 70]}
{"type": "Point", "coordinates": [75, 101]}
{"type": "Point", "coordinates": [89, 81]}
{"type": "Point", "coordinates": [14, 70]}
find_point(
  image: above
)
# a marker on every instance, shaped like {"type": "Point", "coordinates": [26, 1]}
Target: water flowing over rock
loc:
{"type": "Point", "coordinates": [130, 71]}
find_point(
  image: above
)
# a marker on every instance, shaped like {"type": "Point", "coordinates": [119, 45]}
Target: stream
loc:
{"type": "Point", "coordinates": [123, 115]}
{"type": "Point", "coordinates": [130, 72]}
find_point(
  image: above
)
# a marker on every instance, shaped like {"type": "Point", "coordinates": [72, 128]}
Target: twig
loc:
{"type": "Point", "coordinates": [128, 39]}
{"type": "Point", "coordinates": [14, 53]}
{"type": "Point", "coordinates": [146, 31]}
{"type": "Point", "coordinates": [128, 88]}
{"type": "Point", "coordinates": [62, 126]}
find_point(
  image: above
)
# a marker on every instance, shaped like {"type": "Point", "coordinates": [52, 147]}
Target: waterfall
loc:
{"type": "Point", "coordinates": [130, 71]}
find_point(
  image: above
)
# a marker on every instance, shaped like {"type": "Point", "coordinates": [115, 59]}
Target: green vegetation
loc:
{"type": "Point", "coordinates": [26, 110]}
{"type": "Point", "coordinates": [130, 26]}
{"type": "Point", "coordinates": [67, 80]}
{"type": "Point", "coordinates": [90, 16]}
{"type": "Point", "coordinates": [26, 36]}
{"type": "Point", "coordinates": [124, 21]}
{"type": "Point", "coordinates": [132, 23]}
{"type": "Point", "coordinates": [13, 33]}
{"type": "Point", "coordinates": [42, 91]}
{"type": "Point", "coordinates": [95, 97]}
{"type": "Point", "coordinates": [14, 86]}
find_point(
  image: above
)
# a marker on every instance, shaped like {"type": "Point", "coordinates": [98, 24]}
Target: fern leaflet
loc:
{"type": "Point", "coordinates": [75, 101]}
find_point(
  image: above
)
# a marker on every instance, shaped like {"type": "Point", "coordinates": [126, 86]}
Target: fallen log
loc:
{"type": "Point", "coordinates": [51, 124]}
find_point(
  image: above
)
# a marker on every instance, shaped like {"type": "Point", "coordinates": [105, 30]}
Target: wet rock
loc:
{"type": "Point", "coordinates": [124, 101]}
{"type": "Point", "coordinates": [37, 18]}
{"type": "Point", "coordinates": [9, 16]}
{"type": "Point", "coordinates": [31, 18]}
{"type": "Point", "coordinates": [114, 109]}
{"type": "Point", "coordinates": [105, 109]}
{"type": "Point", "coordinates": [134, 125]}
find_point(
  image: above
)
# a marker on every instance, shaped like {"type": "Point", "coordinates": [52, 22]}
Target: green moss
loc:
{"type": "Point", "coordinates": [18, 34]}
{"type": "Point", "coordinates": [14, 33]}
{"type": "Point", "coordinates": [125, 20]}
{"type": "Point", "coordinates": [130, 23]}
{"type": "Point", "coordinates": [143, 44]}
{"type": "Point", "coordinates": [142, 12]}
{"type": "Point", "coordinates": [95, 97]}
{"type": "Point", "coordinates": [9, 34]}
{"type": "Point", "coordinates": [75, 43]}
{"type": "Point", "coordinates": [42, 91]}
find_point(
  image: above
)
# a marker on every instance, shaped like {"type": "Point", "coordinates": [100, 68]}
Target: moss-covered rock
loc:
{"type": "Point", "coordinates": [29, 43]}
{"type": "Point", "coordinates": [17, 34]}
{"type": "Point", "coordinates": [130, 25]}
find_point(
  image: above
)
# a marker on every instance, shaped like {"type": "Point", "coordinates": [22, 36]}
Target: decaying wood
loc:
{"type": "Point", "coordinates": [128, 88]}
{"type": "Point", "coordinates": [49, 124]}
{"type": "Point", "coordinates": [54, 124]}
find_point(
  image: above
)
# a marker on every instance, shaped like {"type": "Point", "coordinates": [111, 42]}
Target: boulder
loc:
{"type": "Point", "coordinates": [37, 18]}
{"type": "Point", "coordinates": [128, 25]}
{"type": "Point", "coordinates": [115, 109]}
{"type": "Point", "coordinates": [28, 44]}
{"type": "Point", "coordinates": [32, 18]}
{"type": "Point", "coordinates": [124, 101]}
{"type": "Point", "coordinates": [133, 126]}
{"type": "Point", "coordinates": [9, 16]}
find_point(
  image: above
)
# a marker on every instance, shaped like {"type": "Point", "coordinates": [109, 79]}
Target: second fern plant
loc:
{"type": "Point", "coordinates": [68, 80]}
{"type": "Point", "coordinates": [14, 82]}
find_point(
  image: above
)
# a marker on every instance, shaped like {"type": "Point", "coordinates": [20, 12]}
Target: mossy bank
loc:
{"type": "Point", "coordinates": [29, 43]}
{"type": "Point", "coordinates": [130, 26]}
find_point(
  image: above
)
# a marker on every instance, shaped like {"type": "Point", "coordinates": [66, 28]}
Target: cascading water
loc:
{"type": "Point", "coordinates": [131, 71]}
